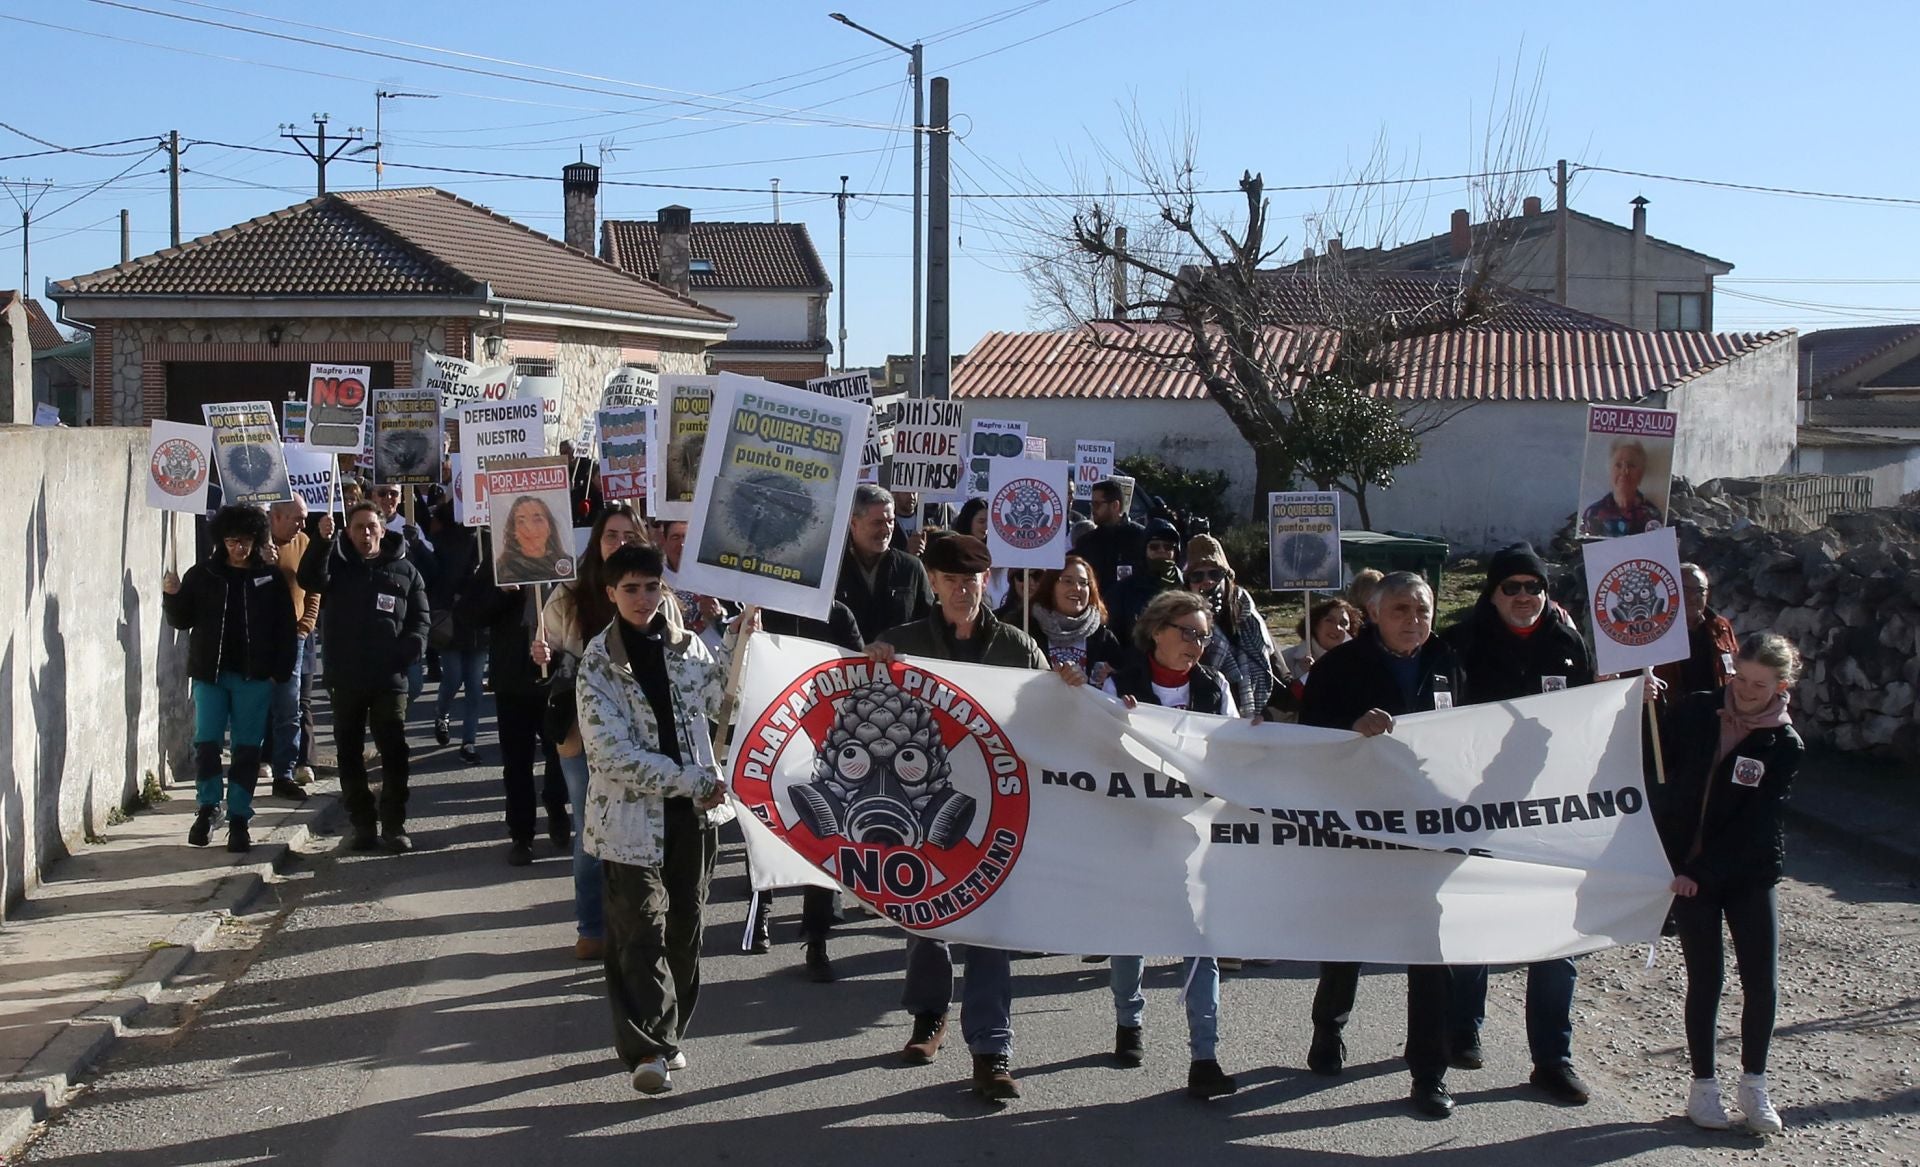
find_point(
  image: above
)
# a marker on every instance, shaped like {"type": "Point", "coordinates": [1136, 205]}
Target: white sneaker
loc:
{"type": "Point", "coordinates": [651, 1077]}
{"type": "Point", "coordinates": [266, 772]}
{"type": "Point", "coordinates": [302, 775]}
{"type": "Point", "coordinates": [1704, 1106]}
{"type": "Point", "coordinates": [1762, 1118]}
{"type": "Point", "coordinates": [678, 1061]}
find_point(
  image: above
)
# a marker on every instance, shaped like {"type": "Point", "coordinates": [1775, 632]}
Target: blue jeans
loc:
{"type": "Point", "coordinates": [416, 680]}
{"type": "Point", "coordinates": [1549, 1008]}
{"type": "Point", "coordinates": [588, 913]}
{"type": "Point", "coordinates": [462, 669]}
{"type": "Point", "coordinates": [986, 997]}
{"type": "Point", "coordinates": [1201, 981]}
{"type": "Point", "coordinates": [285, 718]}
{"type": "Point", "coordinates": [235, 704]}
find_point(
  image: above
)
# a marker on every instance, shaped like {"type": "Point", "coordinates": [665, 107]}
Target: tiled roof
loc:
{"type": "Point", "coordinates": [1832, 353]}
{"type": "Point", "coordinates": [1307, 295]}
{"type": "Point", "coordinates": [41, 330]}
{"type": "Point", "coordinates": [771, 346]}
{"type": "Point", "coordinates": [1436, 251]}
{"type": "Point", "coordinates": [417, 241]}
{"type": "Point", "coordinates": [1118, 362]}
{"type": "Point", "coordinates": [744, 256]}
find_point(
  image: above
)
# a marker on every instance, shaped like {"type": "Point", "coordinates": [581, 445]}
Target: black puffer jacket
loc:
{"type": "Point", "coordinates": [1357, 676]}
{"type": "Point", "coordinates": [900, 593]}
{"type": "Point", "coordinates": [456, 560]}
{"type": "Point", "coordinates": [373, 613]}
{"type": "Point", "coordinates": [1501, 664]}
{"type": "Point", "coordinates": [507, 619]}
{"type": "Point", "coordinates": [1732, 809]}
{"type": "Point", "coordinates": [199, 609]}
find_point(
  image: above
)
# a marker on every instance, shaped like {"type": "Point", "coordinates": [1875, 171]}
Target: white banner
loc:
{"type": "Point", "coordinates": [629, 386]}
{"type": "Point", "coordinates": [310, 472]}
{"type": "Point", "coordinates": [1046, 818]}
{"type": "Point", "coordinates": [926, 449]}
{"type": "Point", "coordinates": [1092, 462]}
{"type": "Point", "coordinates": [489, 431]}
{"type": "Point", "coordinates": [458, 381]}
{"type": "Point", "coordinates": [1027, 513]}
{"type": "Point", "coordinates": [1634, 601]}
{"type": "Point", "coordinates": [989, 438]}
{"type": "Point", "coordinates": [1303, 540]}
{"type": "Point", "coordinates": [179, 466]}
{"type": "Point", "coordinates": [550, 393]}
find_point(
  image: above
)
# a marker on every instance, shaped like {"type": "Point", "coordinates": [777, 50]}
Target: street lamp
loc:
{"type": "Point", "coordinates": [919, 130]}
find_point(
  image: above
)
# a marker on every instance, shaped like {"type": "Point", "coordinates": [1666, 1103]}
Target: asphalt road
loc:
{"type": "Point", "coordinates": [425, 1009]}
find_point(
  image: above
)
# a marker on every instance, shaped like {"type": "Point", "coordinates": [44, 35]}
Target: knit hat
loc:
{"type": "Point", "coordinates": [1205, 549]}
{"type": "Point", "coordinates": [958, 554]}
{"type": "Point", "coordinates": [1161, 531]}
{"type": "Point", "coordinates": [1515, 559]}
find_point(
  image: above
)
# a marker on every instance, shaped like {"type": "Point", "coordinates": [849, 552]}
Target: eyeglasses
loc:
{"type": "Point", "coordinates": [1514, 587]}
{"type": "Point", "coordinates": [1189, 634]}
{"type": "Point", "coordinates": [387, 493]}
{"type": "Point", "coordinates": [1207, 573]}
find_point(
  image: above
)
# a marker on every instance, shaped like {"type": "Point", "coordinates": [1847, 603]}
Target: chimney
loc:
{"type": "Point", "coordinates": [675, 246]}
{"type": "Point", "coordinates": [1639, 218]}
{"type": "Point", "coordinates": [1530, 206]}
{"type": "Point", "coordinates": [1461, 239]}
{"type": "Point", "coordinates": [1334, 247]}
{"type": "Point", "coordinates": [580, 187]}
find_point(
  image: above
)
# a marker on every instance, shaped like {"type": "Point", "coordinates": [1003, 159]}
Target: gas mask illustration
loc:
{"type": "Point", "coordinates": [882, 775]}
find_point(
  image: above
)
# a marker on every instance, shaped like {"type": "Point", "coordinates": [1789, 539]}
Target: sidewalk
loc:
{"type": "Point", "coordinates": [94, 944]}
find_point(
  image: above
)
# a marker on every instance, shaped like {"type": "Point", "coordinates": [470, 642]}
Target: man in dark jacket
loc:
{"type": "Point", "coordinates": [373, 620]}
{"type": "Point", "coordinates": [1395, 666]}
{"type": "Point", "coordinates": [1711, 644]}
{"type": "Point", "coordinates": [1515, 643]}
{"type": "Point", "coordinates": [1159, 571]}
{"type": "Point", "coordinates": [1117, 546]}
{"type": "Point", "coordinates": [883, 585]}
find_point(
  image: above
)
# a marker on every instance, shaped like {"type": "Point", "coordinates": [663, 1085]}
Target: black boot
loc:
{"type": "Point", "coordinates": [202, 829]}
{"type": "Point", "coordinates": [762, 941]}
{"type": "Point", "coordinates": [238, 841]}
{"type": "Point", "coordinates": [1328, 1053]}
{"type": "Point", "coordinates": [1205, 1079]}
{"type": "Point", "coordinates": [819, 968]}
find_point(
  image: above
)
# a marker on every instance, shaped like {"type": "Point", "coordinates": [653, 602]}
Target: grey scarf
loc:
{"type": "Point", "coordinates": [1064, 629]}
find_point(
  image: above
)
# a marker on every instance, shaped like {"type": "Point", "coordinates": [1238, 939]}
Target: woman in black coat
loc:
{"type": "Point", "coordinates": [1731, 756]}
{"type": "Point", "coordinates": [239, 620]}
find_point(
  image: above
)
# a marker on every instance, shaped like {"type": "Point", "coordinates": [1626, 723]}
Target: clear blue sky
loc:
{"type": "Point", "coordinates": [1765, 93]}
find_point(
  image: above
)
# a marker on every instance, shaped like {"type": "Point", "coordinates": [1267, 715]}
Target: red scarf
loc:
{"type": "Point", "coordinates": [1165, 677]}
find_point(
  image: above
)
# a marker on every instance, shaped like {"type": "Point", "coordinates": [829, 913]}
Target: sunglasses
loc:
{"type": "Point", "coordinates": [1514, 587]}
{"type": "Point", "coordinates": [387, 493]}
{"type": "Point", "coordinates": [1190, 635]}
{"type": "Point", "coordinates": [1207, 573]}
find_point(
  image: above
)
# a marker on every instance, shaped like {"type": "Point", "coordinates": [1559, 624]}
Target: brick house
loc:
{"type": "Point", "coordinates": [375, 278]}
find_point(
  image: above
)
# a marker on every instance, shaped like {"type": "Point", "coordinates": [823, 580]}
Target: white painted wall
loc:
{"type": "Point", "coordinates": [763, 315]}
{"type": "Point", "coordinates": [1739, 420]}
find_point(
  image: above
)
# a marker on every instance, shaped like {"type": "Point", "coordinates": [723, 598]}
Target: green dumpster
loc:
{"type": "Point", "coordinates": [1389, 551]}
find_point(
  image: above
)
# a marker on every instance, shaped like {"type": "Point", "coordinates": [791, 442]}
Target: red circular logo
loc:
{"type": "Point", "coordinates": [893, 780]}
{"type": "Point", "coordinates": [1636, 603]}
{"type": "Point", "coordinates": [179, 467]}
{"type": "Point", "coordinates": [1027, 513]}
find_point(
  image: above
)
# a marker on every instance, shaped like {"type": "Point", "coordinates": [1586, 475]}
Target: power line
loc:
{"type": "Point", "coordinates": [1892, 200]}
{"type": "Point", "coordinates": [55, 148]}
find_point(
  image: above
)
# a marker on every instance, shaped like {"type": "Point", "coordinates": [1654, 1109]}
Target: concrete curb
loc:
{"type": "Point", "coordinates": [50, 1075]}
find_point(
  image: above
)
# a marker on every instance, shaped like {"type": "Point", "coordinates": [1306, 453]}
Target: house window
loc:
{"type": "Point", "coordinates": [700, 267]}
{"type": "Point", "coordinates": [533, 366]}
{"type": "Point", "coordinates": [1682, 311]}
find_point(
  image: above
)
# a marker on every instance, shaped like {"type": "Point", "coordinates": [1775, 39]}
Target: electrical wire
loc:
{"type": "Point", "coordinates": [1890, 200]}
{"type": "Point", "coordinates": [94, 151]}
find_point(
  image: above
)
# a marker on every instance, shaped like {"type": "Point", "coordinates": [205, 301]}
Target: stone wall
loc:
{"type": "Point", "coordinates": [83, 648]}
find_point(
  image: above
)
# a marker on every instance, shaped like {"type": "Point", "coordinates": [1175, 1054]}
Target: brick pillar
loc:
{"type": "Point", "coordinates": [103, 374]}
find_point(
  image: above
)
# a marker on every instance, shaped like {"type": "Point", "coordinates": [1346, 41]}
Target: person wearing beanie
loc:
{"type": "Point", "coordinates": [1159, 572]}
{"type": "Point", "coordinates": [1241, 648]}
{"type": "Point", "coordinates": [1516, 643]}
{"type": "Point", "coordinates": [961, 628]}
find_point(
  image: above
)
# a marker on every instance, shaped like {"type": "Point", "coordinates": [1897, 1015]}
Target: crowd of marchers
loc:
{"type": "Point", "coordinates": [606, 690]}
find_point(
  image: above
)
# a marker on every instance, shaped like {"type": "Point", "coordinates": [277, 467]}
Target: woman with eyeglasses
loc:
{"type": "Point", "coordinates": [1069, 621]}
{"type": "Point", "coordinates": [1242, 648]}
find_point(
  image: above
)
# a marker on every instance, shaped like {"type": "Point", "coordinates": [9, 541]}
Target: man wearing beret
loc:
{"type": "Point", "coordinates": [960, 628]}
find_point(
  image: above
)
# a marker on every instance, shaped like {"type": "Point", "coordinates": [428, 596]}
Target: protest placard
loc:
{"type": "Point", "coordinates": [459, 381]}
{"type": "Point", "coordinates": [989, 438]}
{"type": "Point", "coordinates": [886, 415]}
{"type": "Point", "coordinates": [310, 474]}
{"type": "Point", "coordinates": [856, 387]}
{"type": "Point", "coordinates": [246, 450]}
{"type": "Point", "coordinates": [1092, 462]}
{"type": "Point", "coordinates": [1027, 512]}
{"type": "Point", "coordinates": [490, 431]}
{"type": "Point", "coordinates": [1634, 601]}
{"type": "Point", "coordinates": [586, 442]}
{"type": "Point", "coordinates": [363, 460]}
{"type": "Point", "coordinates": [46, 414]}
{"type": "Point", "coordinates": [926, 449]}
{"type": "Point", "coordinates": [1303, 540]}
{"type": "Point", "coordinates": [629, 385]}
{"type": "Point", "coordinates": [549, 392]}
{"type": "Point", "coordinates": [770, 515]}
{"type": "Point", "coordinates": [1126, 492]}
{"type": "Point", "coordinates": [529, 520]}
{"type": "Point", "coordinates": [179, 466]}
{"type": "Point", "coordinates": [337, 407]}
{"type": "Point", "coordinates": [406, 436]}
{"type": "Point", "coordinates": [678, 440]}
{"type": "Point", "coordinates": [1036, 449]}
{"type": "Point", "coordinates": [1627, 472]}
{"type": "Point", "coordinates": [623, 453]}
{"type": "Point", "coordinates": [293, 423]}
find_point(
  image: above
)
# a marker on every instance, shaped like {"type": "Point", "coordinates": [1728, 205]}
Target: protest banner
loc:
{"type": "Point", "coordinates": [1626, 474]}
{"type": "Point", "coordinates": [246, 451]}
{"type": "Point", "coordinates": [1126, 492]}
{"type": "Point", "coordinates": [628, 386]}
{"type": "Point", "coordinates": [886, 415]}
{"type": "Point", "coordinates": [1028, 512]}
{"type": "Point", "coordinates": [856, 387]}
{"type": "Point", "coordinates": [406, 436]}
{"type": "Point", "coordinates": [363, 460]}
{"type": "Point", "coordinates": [1502, 833]}
{"type": "Point", "coordinates": [1037, 449]}
{"type": "Point", "coordinates": [623, 453]}
{"type": "Point", "coordinates": [179, 466]}
{"type": "Point", "coordinates": [926, 449]}
{"type": "Point", "coordinates": [459, 381]}
{"type": "Point", "coordinates": [987, 439]}
{"type": "Point", "coordinates": [46, 414]}
{"type": "Point", "coordinates": [529, 522]}
{"type": "Point", "coordinates": [1092, 462]}
{"type": "Point", "coordinates": [677, 442]}
{"type": "Point", "coordinates": [310, 474]}
{"type": "Point", "coordinates": [1634, 601]}
{"type": "Point", "coordinates": [550, 393]}
{"type": "Point", "coordinates": [293, 423]}
{"type": "Point", "coordinates": [770, 513]}
{"type": "Point", "coordinates": [490, 431]}
{"type": "Point", "coordinates": [1303, 540]}
{"type": "Point", "coordinates": [337, 412]}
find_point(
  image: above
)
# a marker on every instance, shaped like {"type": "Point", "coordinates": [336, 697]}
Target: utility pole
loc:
{"type": "Point", "coordinates": [173, 187]}
{"type": "Point", "coordinates": [318, 151]}
{"type": "Point", "coordinates": [380, 98]}
{"type": "Point", "coordinates": [26, 194]}
{"type": "Point", "coordinates": [1560, 232]}
{"type": "Point", "coordinates": [939, 270]}
{"type": "Point", "coordinates": [776, 200]}
{"type": "Point", "coordinates": [1119, 273]}
{"type": "Point", "coordinates": [841, 288]}
{"type": "Point", "coordinates": [126, 236]}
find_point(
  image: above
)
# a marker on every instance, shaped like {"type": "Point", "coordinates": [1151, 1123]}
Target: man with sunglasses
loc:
{"type": "Point", "coordinates": [1516, 643]}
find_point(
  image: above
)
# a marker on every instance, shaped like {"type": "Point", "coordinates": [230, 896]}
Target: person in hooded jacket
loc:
{"type": "Point", "coordinates": [1731, 758]}
{"type": "Point", "coordinates": [462, 646]}
{"type": "Point", "coordinates": [1158, 571]}
{"type": "Point", "coordinates": [1516, 643]}
{"type": "Point", "coordinates": [239, 617]}
{"type": "Point", "coordinates": [373, 619]}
